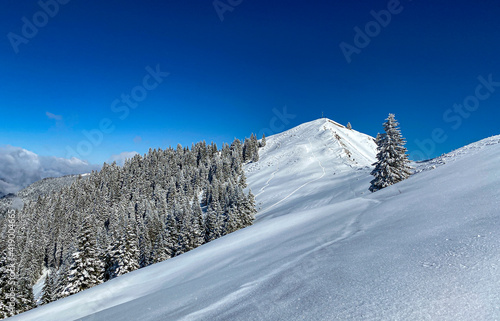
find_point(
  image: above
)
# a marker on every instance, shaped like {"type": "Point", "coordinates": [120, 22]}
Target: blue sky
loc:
{"type": "Point", "coordinates": [228, 78]}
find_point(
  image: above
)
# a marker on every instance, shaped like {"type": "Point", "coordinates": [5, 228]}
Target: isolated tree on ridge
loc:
{"type": "Point", "coordinates": [392, 164]}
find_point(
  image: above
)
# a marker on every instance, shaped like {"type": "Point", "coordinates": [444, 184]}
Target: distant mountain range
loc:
{"type": "Point", "coordinates": [39, 188]}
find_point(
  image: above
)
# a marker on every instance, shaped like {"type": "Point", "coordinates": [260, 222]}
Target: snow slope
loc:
{"type": "Point", "coordinates": [317, 162]}
{"type": "Point", "coordinates": [323, 248]}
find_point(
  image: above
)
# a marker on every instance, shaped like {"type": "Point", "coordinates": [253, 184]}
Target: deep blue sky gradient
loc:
{"type": "Point", "coordinates": [226, 77]}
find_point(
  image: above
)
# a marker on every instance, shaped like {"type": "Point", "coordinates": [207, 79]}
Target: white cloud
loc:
{"type": "Point", "coordinates": [20, 167]}
{"type": "Point", "coordinates": [120, 158]}
{"type": "Point", "coordinates": [137, 139]}
{"type": "Point", "coordinates": [53, 116]}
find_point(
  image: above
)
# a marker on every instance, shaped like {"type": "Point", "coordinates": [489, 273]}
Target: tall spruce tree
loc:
{"type": "Point", "coordinates": [128, 259]}
{"type": "Point", "coordinates": [392, 164]}
{"type": "Point", "coordinates": [197, 227]}
{"type": "Point", "coordinates": [247, 209]}
{"type": "Point", "coordinates": [24, 296]}
{"type": "Point", "coordinates": [263, 141]}
{"type": "Point", "coordinates": [48, 288]}
{"type": "Point", "coordinates": [213, 222]}
{"type": "Point", "coordinates": [87, 269]}
{"type": "Point", "coordinates": [255, 148]}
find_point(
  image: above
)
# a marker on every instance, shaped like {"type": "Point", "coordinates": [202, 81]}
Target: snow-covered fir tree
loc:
{"type": "Point", "coordinates": [251, 149]}
{"type": "Point", "coordinates": [48, 288]}
{"type": "Point", "coordinates": [255, 147]}
{"type": "Point", "coordinates": [87, 269]}
{"type": "Point", "coordinates": [392, 164]}
{"type": "Point", "coordinates": [128, 252]}
{"type": "Point", "coordinates": [24, 293]}
{"type": "Point", "coordinates": [199, 235]}
{"type": "Point", "coordinates": [247, 210]}
{"type": "Point", "coordinates": [263, 141]}
{"type": "Point", "coordinates": [213, 223]}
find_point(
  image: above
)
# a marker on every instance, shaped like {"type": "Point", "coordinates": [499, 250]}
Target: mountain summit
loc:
{"type": "Point", "coordinates": [318, 155]}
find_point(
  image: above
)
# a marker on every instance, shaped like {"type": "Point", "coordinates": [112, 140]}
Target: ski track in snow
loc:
{"type": "Point", "coordinates": [303, 262]}
{"type": "Point", "coordinates": [300, 187]}
{"type": "Point", "coordinates": [270, 178]}
{"type": "Point", "coordinates": [231, 297]}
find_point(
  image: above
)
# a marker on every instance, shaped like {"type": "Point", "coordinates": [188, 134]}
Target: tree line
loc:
{"type": "Point", "coordinates": [120, 219]}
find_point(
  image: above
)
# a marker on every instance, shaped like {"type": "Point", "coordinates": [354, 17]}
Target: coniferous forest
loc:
{"type": "Point", "coordinates": [120, 219]}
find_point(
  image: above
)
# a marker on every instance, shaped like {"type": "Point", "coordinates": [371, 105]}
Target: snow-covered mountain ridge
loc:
{"type": "Point", "coordinates": [42, 187]}
{"type": "Point", "coordinates": [320, 154]}
{"type": "Point", "coordinates": [324, 248]}
{"type": "Point", "coordinates": [457, 154]}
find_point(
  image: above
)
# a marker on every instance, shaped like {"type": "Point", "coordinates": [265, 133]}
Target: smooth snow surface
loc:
{"type": "Point", "coordinates": [324, 248]}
